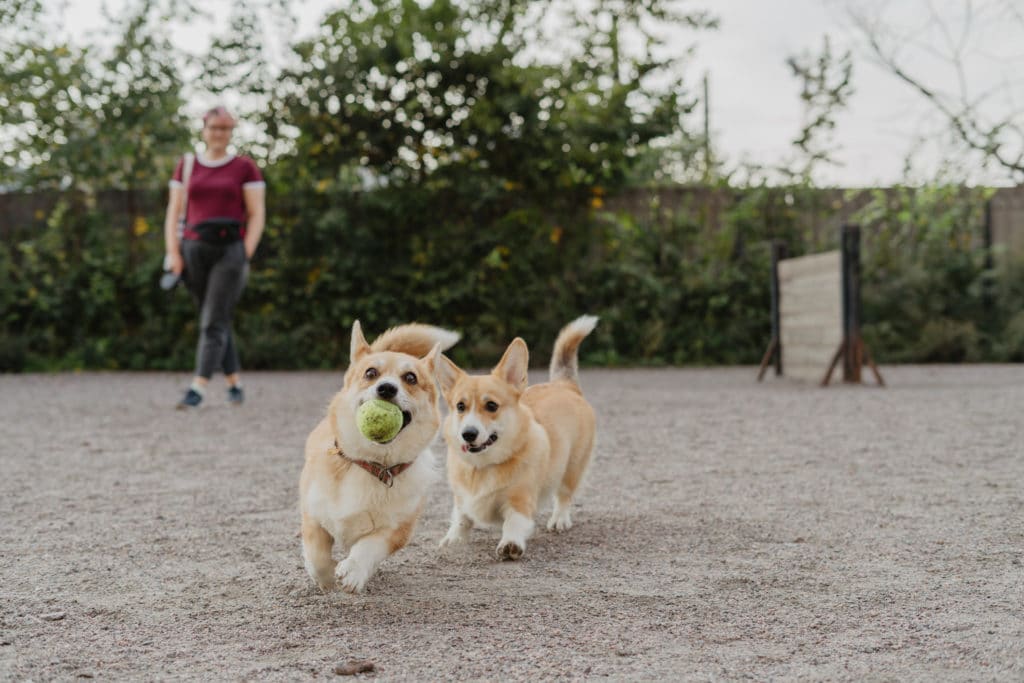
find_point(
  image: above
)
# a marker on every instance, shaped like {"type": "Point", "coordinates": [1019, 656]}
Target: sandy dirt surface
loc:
{"type": "Point", "coordinates": [728, 530]}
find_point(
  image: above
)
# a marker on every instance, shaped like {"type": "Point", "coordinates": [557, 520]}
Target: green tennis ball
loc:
{"type": "Point", "coordinates": [378, 420]}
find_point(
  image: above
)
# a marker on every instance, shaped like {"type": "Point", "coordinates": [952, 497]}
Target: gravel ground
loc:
{"type": "Point", "coordinates": [728, 530]}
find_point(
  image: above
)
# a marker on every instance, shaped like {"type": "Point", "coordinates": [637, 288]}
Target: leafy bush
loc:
{"type": "Point", "coordinates": [671, 287]}
{"type": "Point", "coordinates": [929, 293]}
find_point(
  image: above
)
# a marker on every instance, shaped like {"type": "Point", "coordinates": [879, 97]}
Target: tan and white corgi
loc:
{"type": "Point", "coordinates": [511, 448]}
{"type": "Point", "coordinates": [366, 495]}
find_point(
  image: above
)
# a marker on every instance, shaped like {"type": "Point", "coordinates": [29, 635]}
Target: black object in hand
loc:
{"type": "Point", "coordinates": [169, 280]}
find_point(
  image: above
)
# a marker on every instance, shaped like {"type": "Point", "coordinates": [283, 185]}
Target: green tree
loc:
{"type": "Point", "coordinates": [73, 118]}
{"type": "Point", "coordinates": [431, 138]}
{"type": "Point", "coordinates": [78, 122]}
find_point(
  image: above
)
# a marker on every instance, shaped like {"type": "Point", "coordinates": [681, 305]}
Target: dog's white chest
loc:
{"type": "Point", "coordinates": [360, 505]}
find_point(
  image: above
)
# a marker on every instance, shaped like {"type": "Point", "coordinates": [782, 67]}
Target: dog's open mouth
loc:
{"type": "Point", "coordinates": [406, 420]}
{"type": "Point", "coordinates": [481, 447]}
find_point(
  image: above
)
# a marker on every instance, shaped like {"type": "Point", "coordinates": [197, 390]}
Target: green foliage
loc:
{"type": "Point", "coordinates": [928, 293]}
{"type": "Point", "coordinates": [679, 290]}
{"type": "Point", "coordinates": [408, 94]}
{"type": "Point", "coordinates": [75, 119]}
{"type": "Point", "coordinates": [421, 165]}
{"type": "Point", "coordinates": [80, 293]}
{"type": "Point", "coordinates": [1003, 323]}
{"type": "Point", "coordinates": [432, 173]}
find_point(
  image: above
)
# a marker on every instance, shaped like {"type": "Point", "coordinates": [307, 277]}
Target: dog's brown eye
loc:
{"type": "Point", "coordinates": [371, 373]}
{"type": "Point", "coordinates": [409, 378]}
{"type": "Point", "coordinates": [460, 406]}
{"type": "Point", "coordinates": [491, 407]}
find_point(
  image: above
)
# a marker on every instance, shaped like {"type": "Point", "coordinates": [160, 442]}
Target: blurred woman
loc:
{"type": "Point", "coordinates": [218, 199]}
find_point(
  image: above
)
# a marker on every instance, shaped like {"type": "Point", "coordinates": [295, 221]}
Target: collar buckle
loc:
{"type": "Point", "coordinates": [386, 477]}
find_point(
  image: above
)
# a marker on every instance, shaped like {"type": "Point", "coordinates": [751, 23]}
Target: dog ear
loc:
{"type": "Point", "coordinates": [431, 356]}
{"type": "Point", "coordinates": [514, 364]}
{"type": "Point", "coordinates": [359, 347]}
{"type": "Point", "coordinates": [448, 373]}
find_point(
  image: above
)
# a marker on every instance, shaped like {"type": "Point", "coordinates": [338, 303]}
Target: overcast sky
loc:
{"type": "Point", "coordinates": [755, 110]}
{"type": "Point", "coordinates": [755, 106]}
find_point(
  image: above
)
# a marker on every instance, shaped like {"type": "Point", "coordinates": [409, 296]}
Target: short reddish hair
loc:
{"type": "Point", "coordinates": [218, 111]}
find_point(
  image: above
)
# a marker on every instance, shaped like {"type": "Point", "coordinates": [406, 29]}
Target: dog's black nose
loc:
{"type": "Point", "coordinates": [469, 435]}
{"type": "Point", "coordinates": [386, 390]}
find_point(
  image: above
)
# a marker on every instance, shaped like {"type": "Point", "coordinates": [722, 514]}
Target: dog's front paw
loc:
{"type": "Point", "coordinates": [325, 584]}
{"type": "Point", "coordinates": [352, 575]}
{"type": "Point", "coordinates": [510, 550]}
{"type": "Point", "coordinates": [452, 538]}
{"type": "Point", "coordinates": [560, 520]}
{"type": "Point", "coordinates": [323, 576]}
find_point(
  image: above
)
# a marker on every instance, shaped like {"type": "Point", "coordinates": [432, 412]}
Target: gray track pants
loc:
{"type": "Point", "coordinates": [216, 276]}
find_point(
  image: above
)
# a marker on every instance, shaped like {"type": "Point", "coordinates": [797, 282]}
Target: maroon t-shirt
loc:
{"type": "Point", "coordinates": [215, 190]}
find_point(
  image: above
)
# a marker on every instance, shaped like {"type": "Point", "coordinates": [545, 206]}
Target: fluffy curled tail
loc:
{"type": "Point", "coordinates": [415, 339]}
{"type": "Point", "coordinates": [564, 360]}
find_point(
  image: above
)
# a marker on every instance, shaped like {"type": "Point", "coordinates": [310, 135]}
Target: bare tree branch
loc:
{"type": "Point", "coordinates": [961, 111]}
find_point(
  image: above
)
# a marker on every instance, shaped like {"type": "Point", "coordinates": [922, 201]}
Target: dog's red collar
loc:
{"type": "Point", "coordinates": [386, 475]}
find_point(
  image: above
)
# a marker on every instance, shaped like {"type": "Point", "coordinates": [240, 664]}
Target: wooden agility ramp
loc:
{"type": "Point", "coordinates": [816, 314]}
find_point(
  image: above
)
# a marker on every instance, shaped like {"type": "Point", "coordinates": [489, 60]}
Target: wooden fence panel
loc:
{"type": "Point", "coordinates": [811, 313]}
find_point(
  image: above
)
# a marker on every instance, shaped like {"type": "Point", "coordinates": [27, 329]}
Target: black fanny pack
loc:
{"type": "Point", "coordinates": [218, 231]}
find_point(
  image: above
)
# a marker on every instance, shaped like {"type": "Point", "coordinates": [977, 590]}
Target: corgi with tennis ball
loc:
{"type": "Point", "coordinates": [511, 448]}
{"type": "Point", "coordinates": [360, 493]}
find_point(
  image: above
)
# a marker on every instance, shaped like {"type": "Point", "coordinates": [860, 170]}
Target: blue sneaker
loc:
{"type": "Point", "coordinates": [191, 399]}
{"type": "Point", "coordinates": [236, 396]}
